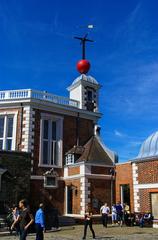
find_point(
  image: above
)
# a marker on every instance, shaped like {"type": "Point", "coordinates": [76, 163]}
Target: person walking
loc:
{"type": "Point", "coordinates": [25, 219]}
{"type": "Point", "coordinates": [40, 222]}
{"type": "Point", "coordinates": [105, 210]}
{"type": "Point", "coordinates": [88, 222]}
{"type": "Point", "coordinates": [15, 212]}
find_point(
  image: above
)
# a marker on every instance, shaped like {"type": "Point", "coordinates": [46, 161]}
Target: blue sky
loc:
{"type": "Point", "coordinates": [37, 51]}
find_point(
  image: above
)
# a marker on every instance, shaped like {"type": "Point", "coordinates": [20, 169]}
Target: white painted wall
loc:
{"type": "Point", "coordinates": [76, 94]}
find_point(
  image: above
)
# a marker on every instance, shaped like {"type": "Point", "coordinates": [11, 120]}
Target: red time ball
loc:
{"type": "Point", "coordinates": [83, 66]}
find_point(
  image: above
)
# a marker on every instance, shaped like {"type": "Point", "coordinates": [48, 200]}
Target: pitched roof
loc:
{"type": "Point", "coordinates": [96, 152]}
{"type": "Point", "coordinates": [76, 150]}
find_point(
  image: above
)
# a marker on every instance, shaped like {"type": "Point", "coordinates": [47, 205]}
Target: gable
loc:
{"type": "Point", "coordinates": [95, 153]}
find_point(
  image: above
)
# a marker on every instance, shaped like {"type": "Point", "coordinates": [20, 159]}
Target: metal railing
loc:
{"type": "Point", "coordinates": [34, 94]}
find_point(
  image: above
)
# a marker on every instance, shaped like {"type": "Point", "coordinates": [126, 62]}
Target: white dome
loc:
{"type": "Point", "coordinates": [85, 78]}
{"type": "Point", "coordinates": [149, 147]}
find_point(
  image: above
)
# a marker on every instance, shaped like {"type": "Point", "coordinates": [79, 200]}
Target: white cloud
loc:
{"type": "Point", "coordinates": [118, 133]}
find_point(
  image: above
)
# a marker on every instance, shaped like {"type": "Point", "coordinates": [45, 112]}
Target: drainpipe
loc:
{"type": "Point", "coordinates": [77, 129]}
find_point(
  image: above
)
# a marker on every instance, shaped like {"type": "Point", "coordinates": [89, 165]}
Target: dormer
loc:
{"type": "Point", "coordinates": [73, 155]}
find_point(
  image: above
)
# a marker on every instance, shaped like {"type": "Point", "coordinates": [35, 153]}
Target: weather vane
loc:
{"type": "Point", "coordinates": [83, 42]}
{"type": "Point", "coordinates": [83, 65]}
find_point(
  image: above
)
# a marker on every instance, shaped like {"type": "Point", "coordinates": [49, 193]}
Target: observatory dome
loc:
{"type": "Point", "coordinates": [149, 147]}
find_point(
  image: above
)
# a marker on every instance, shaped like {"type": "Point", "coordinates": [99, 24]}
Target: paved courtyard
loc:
{"type": "Point", "coordinates": [111, 233]}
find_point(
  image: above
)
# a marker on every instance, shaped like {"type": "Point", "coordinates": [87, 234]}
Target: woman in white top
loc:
{"type": "Point", "coordinates": [105, 210]}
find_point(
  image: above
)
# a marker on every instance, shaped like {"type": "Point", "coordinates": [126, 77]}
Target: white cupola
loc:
{"type": "Point", "coordinates": [85, 89]}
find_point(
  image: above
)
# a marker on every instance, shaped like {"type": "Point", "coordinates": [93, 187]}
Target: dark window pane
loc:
{"type": "Point", "coordinates": [50, 181]}
{"type": "Point", "coordinates": [89, 96]}
{"type": "Point", "coordinates": [53, 130]}
{"type": "Point", "coordinates": [45, 152]}
{"type": "Point", "coordinates": [10, 127]}
{"type": "Point", "coordinates": [54, 153]}
{"type": "Point", "coordinates": [1, 144]}
{"type": "Point", "coordinates": [9, 144]}
{"type": "Point", "coordinates": [1, 126]}
{"type": "Point", "coordinates": [45, 133]}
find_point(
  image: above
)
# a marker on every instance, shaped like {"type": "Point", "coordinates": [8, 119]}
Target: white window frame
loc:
{"type": "Point", "coordinates": [70, 159]}
{"type": "Point", "coordinates": [6, 115]}
{"type": "Point", "coordinates": [59, 136]}
{"type": "Point", "coordinates": [50, 186]}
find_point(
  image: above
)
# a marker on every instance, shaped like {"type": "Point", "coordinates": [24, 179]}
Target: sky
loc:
{"type": "Point", "coordinates": [38, 51]}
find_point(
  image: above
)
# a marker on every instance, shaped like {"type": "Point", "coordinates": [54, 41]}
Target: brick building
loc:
{"type": "Point", "coordinates": [137, 180]}
{"type": "Point", "coordinates": [70, 165]}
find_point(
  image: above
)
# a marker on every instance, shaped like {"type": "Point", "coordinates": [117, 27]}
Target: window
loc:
{"type": "Point", "coordinates": [89, 95]}
{"type": "Point", "coordinates": [50, 182]}
{"type": "Point", "coordinates": [7, 133]}
{"type": "Point", "coordinates": [51, 141]}
{"type": "Point", "coordinates": [70, 159]}
{"type": "Point", "coordinates": [50, 179]}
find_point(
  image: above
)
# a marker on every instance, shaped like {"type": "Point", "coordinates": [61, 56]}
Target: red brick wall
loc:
{"type": "Point", "coordinates": [124, 176]}
{"type": "Point", "coordinates": [50, 197]}
{"type": "Point", "coordinates": [75, 183]}
{"type": "Point", "coordinates": [100, 170]}
{"type": "Point", "coordinates": [73, 170]}
{"type": "Point", "coordinates": [85, 131]}
{"type": "Point", "coordinates": [69, 140]}
{"type": "Point", "coordinates": [19, 132]}
{"type": "Point", "coordinates": [100, 189]}
{"type": "Point", "coordinates": [148, 171]}
{"type": "Point", "coordinates": [145, 199]}
{"type": "Point", "coordinates": [69, 136]}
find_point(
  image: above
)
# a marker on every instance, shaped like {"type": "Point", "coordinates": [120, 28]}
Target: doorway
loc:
{"type": "Point", "coordinates": [125, 194]}
{"type": "Point", "coordinates": [154, 205]}
{"type": "Point", "coordinates": [69, 200]}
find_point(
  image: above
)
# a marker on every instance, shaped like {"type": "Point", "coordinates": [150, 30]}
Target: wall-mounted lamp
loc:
{"type": "Point", "coordinates": [74, 188]}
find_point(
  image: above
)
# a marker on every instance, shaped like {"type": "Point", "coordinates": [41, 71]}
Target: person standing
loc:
{"type": "Point", "coordinates": [25, 219]}
{"type": "Point", "coordinates": [105, 210]}
{"type": "Point", "coordinates": [126, 214]}
{"type": "Point", "coordinates": [113, 214]}
{"type": "Point", "coordinates": [119, 210]}
{"type": "Point", "coordinates": [88, 222]}
{"type": "Point", "coordinates": [40, 222]}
